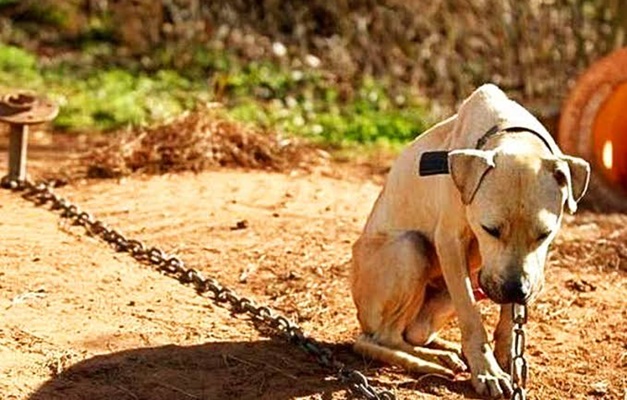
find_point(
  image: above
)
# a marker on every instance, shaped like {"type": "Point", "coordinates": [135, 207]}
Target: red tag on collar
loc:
{"type": "Point", "coordinates": [479, 294]}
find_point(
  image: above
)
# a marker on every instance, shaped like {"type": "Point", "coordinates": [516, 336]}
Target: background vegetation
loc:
{"type": "Point", "coordinates": [340, 72]}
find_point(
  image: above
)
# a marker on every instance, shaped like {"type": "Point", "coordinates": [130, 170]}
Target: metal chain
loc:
{"type": "Point", "coordinates": [519, 364]}
{"type": "Point", "coordinates": [173, 266]}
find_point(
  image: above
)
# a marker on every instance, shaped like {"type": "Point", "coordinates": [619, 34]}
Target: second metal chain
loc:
{"type": "Point", "coordinates": [519, 364]}
{"type": "Point", "coordinates": [42, 194]}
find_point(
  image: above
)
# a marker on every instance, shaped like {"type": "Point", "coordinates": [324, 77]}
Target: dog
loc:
{"type": "Point", "coordinates": [471, 205]}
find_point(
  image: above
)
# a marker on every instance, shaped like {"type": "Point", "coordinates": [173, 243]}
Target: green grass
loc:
{"type": "Point", "coordinates": [99, 99]}
{"type": "Point", "coordinates": [298, 102]}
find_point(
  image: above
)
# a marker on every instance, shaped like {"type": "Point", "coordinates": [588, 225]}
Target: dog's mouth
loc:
{"type": "Point", "coordinates": [487, 293]}
{"type": "Point", "coordinates": [479, 294]}
{"type": "Point", "coordinates": [477, 289]}
{"type": "Point", "coordinates": [485, 290]}
{"type": "Point", "coordinates": [505, 293]}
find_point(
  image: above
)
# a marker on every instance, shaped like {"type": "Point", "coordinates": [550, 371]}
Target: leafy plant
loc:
{"type": "Point", "coordinates": [17, 63]}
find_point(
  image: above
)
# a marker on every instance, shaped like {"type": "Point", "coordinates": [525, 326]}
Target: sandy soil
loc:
{"type": "Point", "coordinates": [80, 321]}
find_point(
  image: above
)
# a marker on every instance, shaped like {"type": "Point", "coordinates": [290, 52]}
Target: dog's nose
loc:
{"type": "Point", "coordinates": [517, 290]}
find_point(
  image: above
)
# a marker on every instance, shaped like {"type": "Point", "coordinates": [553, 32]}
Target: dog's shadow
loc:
{"type": "Point", "coordinates": [263, 369]}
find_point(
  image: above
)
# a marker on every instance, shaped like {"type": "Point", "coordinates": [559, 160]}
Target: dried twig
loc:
{"type": "Point", "coordinates": [127, 391]}
{"type": "Point", "coordinates": [176, 389]}
{"type": "Point", "coordinates": [34, 294]}
{"type": "Point", "coordinates": [270, 366]}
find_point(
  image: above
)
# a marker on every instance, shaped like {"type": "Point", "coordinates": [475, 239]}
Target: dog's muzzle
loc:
{"type": "Point", "coordinates": [516, 289]}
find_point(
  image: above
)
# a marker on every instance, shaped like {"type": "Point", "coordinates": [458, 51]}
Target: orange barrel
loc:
{"type": "Point", "coordinates": [593, 125]}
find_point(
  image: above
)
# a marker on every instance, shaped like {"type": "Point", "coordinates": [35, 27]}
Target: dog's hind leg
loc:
{"type": "Point", "coordinates": [401, 354]}
{"type": "Point", "coordinates": [437, 310]}
{"type": "Point", "coordinates": [389, 282]}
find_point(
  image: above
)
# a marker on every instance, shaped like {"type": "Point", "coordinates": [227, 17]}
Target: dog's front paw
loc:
{"type": "Point", "coordinates": [492, 384]}
{"type": "Point", "coordinates": [488, 379]}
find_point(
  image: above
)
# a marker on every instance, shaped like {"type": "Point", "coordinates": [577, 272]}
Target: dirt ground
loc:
{"type": "Point", "coordinates": [80, 321]}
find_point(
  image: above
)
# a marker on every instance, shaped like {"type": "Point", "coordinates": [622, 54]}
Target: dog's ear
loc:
{"type": "Point", "coordinates": [468, 167]}
{"type": "Point", "coordinates": [574, 174]}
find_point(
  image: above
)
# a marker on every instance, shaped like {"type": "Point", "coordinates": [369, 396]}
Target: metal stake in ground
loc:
{"type": "Point", "coordinates": [20, 110]}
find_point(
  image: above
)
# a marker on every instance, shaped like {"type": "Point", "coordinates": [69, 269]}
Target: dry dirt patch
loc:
{"type": "Point", "coordinates": [80, 321]}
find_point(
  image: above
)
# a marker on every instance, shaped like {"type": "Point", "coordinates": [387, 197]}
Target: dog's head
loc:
{"type": "Point", "coordinates": [514, 204]}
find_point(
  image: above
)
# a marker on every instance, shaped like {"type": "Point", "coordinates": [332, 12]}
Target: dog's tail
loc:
{"type": "Point", "coordinates": [369, 347]}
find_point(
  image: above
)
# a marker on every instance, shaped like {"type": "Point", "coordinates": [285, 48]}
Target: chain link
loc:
{"type": "Point", "coordinates": [519, 364]}
{"type": "Point", "coordinates": [42, 194]}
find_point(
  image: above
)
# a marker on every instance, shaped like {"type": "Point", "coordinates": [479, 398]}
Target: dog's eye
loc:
{"type": "Point", "coordinates": [494, 232]}
{"type": "Point", "coordinates": [543, 236]}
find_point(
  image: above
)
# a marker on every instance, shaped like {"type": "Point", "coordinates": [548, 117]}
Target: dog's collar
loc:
{"type": "Point", "coordinates": [436, 162]}
{"type": "Point", "coordinates": [496, 129]}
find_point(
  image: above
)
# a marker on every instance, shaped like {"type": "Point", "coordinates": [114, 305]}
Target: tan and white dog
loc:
{"type": "Point", "coordinates": [472, 203]}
